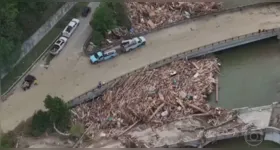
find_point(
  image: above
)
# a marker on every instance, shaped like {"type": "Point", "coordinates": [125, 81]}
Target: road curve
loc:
{"type": "Point", "coordinates": [70, 74]}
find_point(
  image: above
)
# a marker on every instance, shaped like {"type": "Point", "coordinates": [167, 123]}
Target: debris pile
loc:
{"type": "Point", "coordinates": [155, 97]}
{"type": "Point", "coordinates": [119, 32]}
{"type": "Point", "coordinates": [149, 15]}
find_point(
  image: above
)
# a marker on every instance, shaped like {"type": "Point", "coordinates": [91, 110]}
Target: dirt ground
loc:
{"type": "Point", "coordinates": [71, 74]}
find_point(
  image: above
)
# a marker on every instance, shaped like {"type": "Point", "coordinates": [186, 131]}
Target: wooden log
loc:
{"type": "Point", "coordinates": [180, 102]}
{"type": "Point", "coordinates": [76, 144]}
{"type": "Point", "coordinates": [129, 128]}
{"type": "Point", "coordinates": [157, 110]}
{"type": "Point", "coordinates": [217, 90]}
{"type": "Point", "coordinates": [196, 108]}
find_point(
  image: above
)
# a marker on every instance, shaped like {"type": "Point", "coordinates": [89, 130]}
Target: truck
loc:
{"type": "Point", "coordinates": [131, 44]}
{"type": "Point", "coordinates": [70, 28]}
{"type": "Point", "coordinates": [58, 45]}
{"type": "Point", "coordinates": [102, 56]}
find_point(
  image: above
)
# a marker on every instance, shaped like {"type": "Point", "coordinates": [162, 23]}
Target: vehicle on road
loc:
{"type": "Point", "coordinates": [58, 45]}
{"type": "Point", "coordinates": [131, 44]}
{"type": "Point", "coordinates": [103, 55]}
{"type": "Point", "coordinates": [86, 11]}
{"type": "Point", "coordinates": [28, 81]}
{"type": "Point", "coordinates": [71, 27]}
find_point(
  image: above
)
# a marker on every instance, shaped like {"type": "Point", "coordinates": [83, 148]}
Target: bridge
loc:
{"type": "Point", "coordinates": [182, 133]}
{"type": "Point", "coordinates": [70, 74]}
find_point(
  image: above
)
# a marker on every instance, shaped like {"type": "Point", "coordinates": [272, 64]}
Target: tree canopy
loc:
{"type": "Point", "coordinates": [19, 20]}
{"type": "Point", "coordinates": [107, 16]}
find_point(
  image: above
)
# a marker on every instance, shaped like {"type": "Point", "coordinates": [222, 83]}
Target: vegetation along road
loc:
{"type": "Point", "coordinates": [71, 74]}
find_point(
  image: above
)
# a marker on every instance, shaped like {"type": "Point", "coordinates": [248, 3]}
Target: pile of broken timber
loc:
{"type": "Point", "coordinates": [155, 97]}
{"type": "Point", "coordinates": [149, 15]}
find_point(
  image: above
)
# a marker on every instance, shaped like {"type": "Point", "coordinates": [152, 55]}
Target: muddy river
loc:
{"type": "Point", "coordinates": [249, 76]}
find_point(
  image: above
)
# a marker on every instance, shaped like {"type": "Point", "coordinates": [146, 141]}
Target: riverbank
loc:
{"type": "Point", "coordinates": [186, 133]}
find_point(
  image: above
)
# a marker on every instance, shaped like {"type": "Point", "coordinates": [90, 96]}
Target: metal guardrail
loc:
{"type": "Point", "coordinates": [35, 61]}
{"type": "Point", "coordinates": [193, 18]}
{"type": "Point", "coordinates": [220, 45]}
{"type": "Point", "coordinates": [29, 68]}
{"type": "Point", "coordinates": [73, 102]}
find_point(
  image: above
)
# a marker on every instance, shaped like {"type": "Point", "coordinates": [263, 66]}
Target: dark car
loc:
{"type": "Point", "coordinates": [86, 11]}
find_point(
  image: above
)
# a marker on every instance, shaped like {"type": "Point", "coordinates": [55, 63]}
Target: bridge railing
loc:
{"type": "Point", "coordinates": [95, 92]}
{"type": "Point", "coordinates": [164, 26]}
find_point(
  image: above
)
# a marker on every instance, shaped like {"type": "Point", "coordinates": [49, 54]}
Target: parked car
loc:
{"type": "Point", "coordinates": [71, 27]}
{"type": "Point", "coordinates": [128, 45]}
{"type": "Point", "coordinates": [58, 45]}
{"type": "Point", "coordinates": [86, 11]}
{"type": "Point", "coordinates": [102, 56]}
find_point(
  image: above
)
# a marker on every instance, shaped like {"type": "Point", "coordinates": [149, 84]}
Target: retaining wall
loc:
{"type": "Point", "coordinates": [272, 134]}
{"type": "Point", "coordinates": [269, 133]}
{"type": "Point", "coordinates": [193, 18]}
{"type": "Point", "coordinates": [33, 40]}
{"type": "Point", "coordinates": [221, 45]}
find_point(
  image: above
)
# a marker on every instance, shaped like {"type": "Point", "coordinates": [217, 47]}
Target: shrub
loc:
{"type": "Point", "coordinates": [77, 130]}
{"type": "Point", "coordinates": [40, 123]}
{"type": "Point", "coordinates": [8, 140]}
{"type": "Point", "coordinates": [103, 19]}
{"type": "Point", "coordinates": [120, 13]}
{"type": "Point", "coordinates": [59, 112]}
{"type": "Point", "coordinates": [97, 38]}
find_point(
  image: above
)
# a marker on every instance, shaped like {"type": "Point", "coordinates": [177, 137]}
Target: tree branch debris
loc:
{"type": "Point", "coordinates": [149, 15]}
{"type": "Point", "coordinates": [154, 97]}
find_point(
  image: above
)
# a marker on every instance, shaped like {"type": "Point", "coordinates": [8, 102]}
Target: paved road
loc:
{"type": "Point", "coordinates": [71, 74]}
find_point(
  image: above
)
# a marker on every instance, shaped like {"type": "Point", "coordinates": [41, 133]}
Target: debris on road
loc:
{"type": "Point", "coordinates": [146, 16]}
{"type": "Point", "coordinates": [149, 15]}
{"type": "Point", "coordinates": [155, 97]}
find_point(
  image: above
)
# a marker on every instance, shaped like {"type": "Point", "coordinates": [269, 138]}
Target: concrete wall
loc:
{"type": "Point", "coordinates": [221, 45]}
{"type": "Point", "coordinates": [44, 29]}
{"type": "Point", "coordinates": [272, 134]}
{"type": "Point", "coordinates": [31, 42]}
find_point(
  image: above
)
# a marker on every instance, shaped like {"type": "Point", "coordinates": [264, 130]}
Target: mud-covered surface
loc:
{"type": "Point", "coordinates": [275, 116]}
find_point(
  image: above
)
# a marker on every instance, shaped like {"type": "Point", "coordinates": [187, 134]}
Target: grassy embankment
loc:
{"type": "Point", "coordinates": [28, 60]}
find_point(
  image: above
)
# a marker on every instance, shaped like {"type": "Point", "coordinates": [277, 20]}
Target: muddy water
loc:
{"type": "Point", "coordinates": [249, 76]}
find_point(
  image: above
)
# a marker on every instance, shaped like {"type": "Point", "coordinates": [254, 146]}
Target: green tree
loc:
{"type": "Point", "coordinates": [30, 15]}
{"type": "Point", "coordinates": [107, 16]}
{"type": "Point", "coordinates": [59, 112]}
{"type": "Point", "coordinates": [40, 123]}
{"type": "Point", "coordinates": [8, 140]}
{"type": "Point", "coordinates": [120, 13]}
{"type": "Point", "coordinates": [9, 53]}
{"type": "Point", "coordinates": [10, 34]}
{"type": "Point", "coordinates": [97, 38]}
{"type": "Point", "coordinates": [103, 19]}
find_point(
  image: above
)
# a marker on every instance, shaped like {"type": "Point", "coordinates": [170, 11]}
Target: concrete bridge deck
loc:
{"type": "Point", "coordinates": [180, 133]}
{"type": "Point", "coordinates": [70, 74]}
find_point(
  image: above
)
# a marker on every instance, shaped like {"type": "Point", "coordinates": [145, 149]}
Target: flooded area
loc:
{"type": "Point", "coordinates": [249, 77]}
